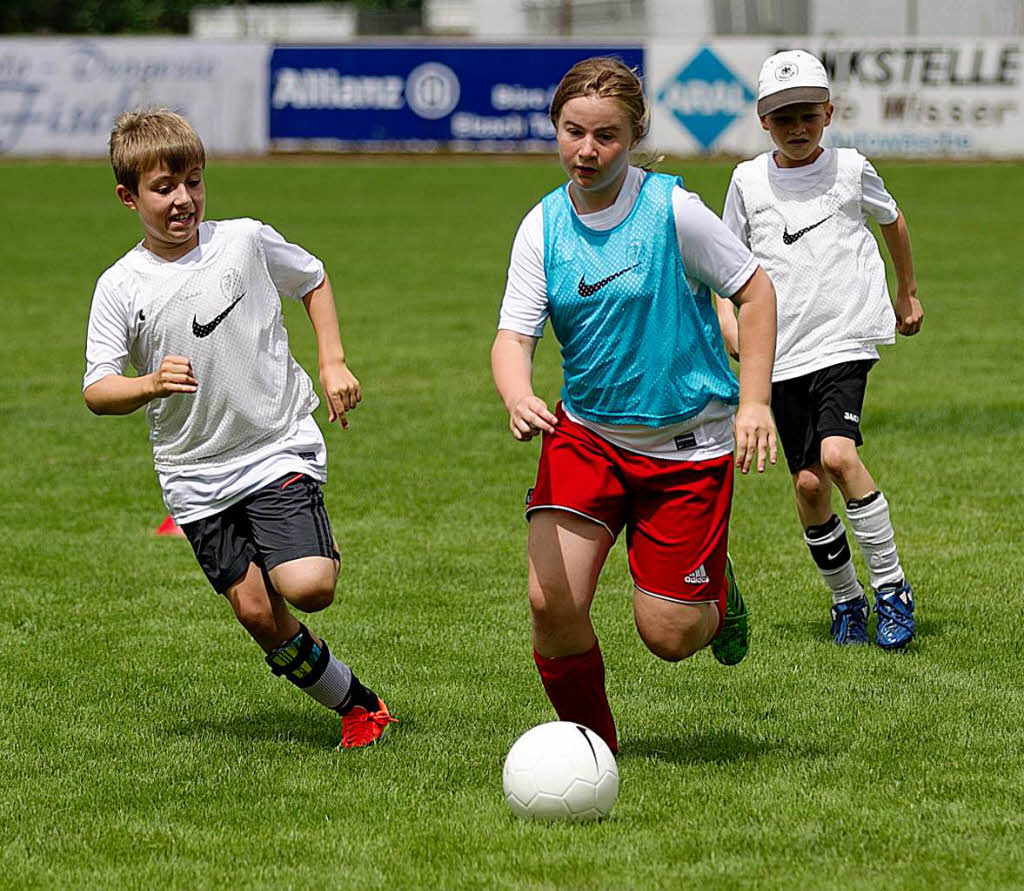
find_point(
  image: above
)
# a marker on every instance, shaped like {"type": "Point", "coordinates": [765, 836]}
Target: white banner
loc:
{"type": "Point", "coordinates": [941, 97]}
{"type": "Point", "coordinates": [59, 96]}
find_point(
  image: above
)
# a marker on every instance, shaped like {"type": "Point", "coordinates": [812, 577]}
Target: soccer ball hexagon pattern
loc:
{"type": "Point", "coordinates": [560, 771]}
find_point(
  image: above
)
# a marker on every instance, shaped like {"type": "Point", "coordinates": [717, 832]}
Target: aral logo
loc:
{"type": "Point", "coordinates": [705, 97]}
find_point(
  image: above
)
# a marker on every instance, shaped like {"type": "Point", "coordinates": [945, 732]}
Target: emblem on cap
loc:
{"type": "Point", "coordinates": [786, 70]}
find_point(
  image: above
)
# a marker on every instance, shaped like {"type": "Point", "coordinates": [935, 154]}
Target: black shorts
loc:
{"type": "Point", "coordinates": [826, 402]}
{"type": "Point", "coordinates": [283, 521]}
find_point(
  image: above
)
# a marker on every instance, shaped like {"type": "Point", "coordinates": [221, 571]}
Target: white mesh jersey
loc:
{"type": "Point", "coordinates": [219, 306]}
{"type": "Point", "coordinates": [807, 226]}
{"type": "Point", "coordinates": [711, 255]}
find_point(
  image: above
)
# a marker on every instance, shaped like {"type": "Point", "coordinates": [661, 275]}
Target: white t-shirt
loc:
{"type": "Point", "coordinates": [711, 255]}
{"type": "Point", "coordinates": [807, 226]}
{"type": "Point", "coordinates": [219, 306]}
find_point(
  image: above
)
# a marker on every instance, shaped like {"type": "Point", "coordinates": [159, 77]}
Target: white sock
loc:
{"type": "Point", "coordinates": [873, 530]}
{"type": "Point", "coordinates": [331, 687]}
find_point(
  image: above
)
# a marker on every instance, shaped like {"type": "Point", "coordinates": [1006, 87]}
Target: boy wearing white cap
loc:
{"type": "Point", "coordinates": [802, 209]}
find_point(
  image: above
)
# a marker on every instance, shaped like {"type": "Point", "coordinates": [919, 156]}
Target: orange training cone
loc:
{"type": "Point", "coordinates": [169, 527]}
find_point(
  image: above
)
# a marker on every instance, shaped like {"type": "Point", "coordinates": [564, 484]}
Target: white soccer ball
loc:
{"type": "Point", "coordinates": [560, 771]}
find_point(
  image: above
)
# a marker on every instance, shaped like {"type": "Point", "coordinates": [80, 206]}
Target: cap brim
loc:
{"type": "Point", "coordinates": [792, 96]}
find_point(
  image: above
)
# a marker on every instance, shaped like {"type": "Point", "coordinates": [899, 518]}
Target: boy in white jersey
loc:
{"type": "Point", "coordinates": [802, 209]}
{"type": "Point", "coordinates": [195, 308]}
{"type": "Point", "coordinates": [620, 261]}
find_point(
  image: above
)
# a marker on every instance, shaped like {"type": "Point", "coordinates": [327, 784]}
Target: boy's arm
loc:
{"type": "Point", "coordinates": [116, 394]}
{"type": "Point", "coordinates": [339, 384]}
{"type": "Point", "coordinates": [512, 367]}
{"type": "Point", "coordinates": [909, 313]}
{"type": "Point", "coordinates": [755, 430]}
{"type": "Point", "coordinates": [727, 322]}
{"type": "Point", "coordinates": [735, 218]}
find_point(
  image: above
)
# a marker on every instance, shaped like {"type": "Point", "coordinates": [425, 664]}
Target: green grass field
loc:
{"type": "Point", "coordinates": [145, 745]}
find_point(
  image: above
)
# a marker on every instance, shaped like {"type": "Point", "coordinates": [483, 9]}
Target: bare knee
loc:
{"type": "Point", "coordinates": [675, 633]}
{"type": "Point", "coordinates": [552, 612]}
{"type": "Point", "coordinates": [810, 487]}
{"type": "Point", "coordinates": [312, 596]}
{"type": "Point", "coordinates": [307, 583]}
{"type": "Point", "coordinates": [256, 615]}
{"type": "Point", "coordinates": [839, 458]}
{"type": "Point", "coordinates": [674, 647]}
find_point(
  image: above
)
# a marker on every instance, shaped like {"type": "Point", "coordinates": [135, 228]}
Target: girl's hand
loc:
{"type": "Point", "coordinates": [755, 435]}
{"type": "Point", "coordinates": [529, 417]}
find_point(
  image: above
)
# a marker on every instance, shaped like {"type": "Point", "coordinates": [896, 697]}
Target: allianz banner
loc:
{"type": "Point", "coordinates": [420, 97]}
{"type": "Point", "coordinates": [938, 97]}
{"type": "Point", "coordinates": [59, 96]}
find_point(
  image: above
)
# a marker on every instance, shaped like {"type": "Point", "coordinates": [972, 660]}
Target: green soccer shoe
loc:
{"type": "Point", "coordinates": [731, 643]}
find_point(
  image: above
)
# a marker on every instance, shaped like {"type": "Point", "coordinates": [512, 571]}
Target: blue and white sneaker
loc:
{"type": "Point", "coordinates": [894, 605]}
{"type": "Point", "coordinates": [850, 621]}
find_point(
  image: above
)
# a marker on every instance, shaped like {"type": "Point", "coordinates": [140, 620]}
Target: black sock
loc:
{"type": "Point", "coordinates": [357, 695]}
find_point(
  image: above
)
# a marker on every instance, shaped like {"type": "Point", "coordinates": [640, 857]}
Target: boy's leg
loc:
{"type": "Point", "coordinates": [825, 536]}
{"type": "Point", "coordinates": [800, 406]}
{"type": "Point", "coordinates": [566, 553]}
{"type": "Point", "coordinates": [293, 651]}
{"type": "Point", "coordinates": [866, 507]}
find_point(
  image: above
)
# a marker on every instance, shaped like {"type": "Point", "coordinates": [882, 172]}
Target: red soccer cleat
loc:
{"type": "Point", "coordinates": [360, 727]}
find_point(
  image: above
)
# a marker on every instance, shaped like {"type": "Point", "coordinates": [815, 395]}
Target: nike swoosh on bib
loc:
{"type": "Point", "coordinates": [586, 290]}
{"type": "Point", "coordinates": [790, 238]}
{"type": "Point", "coordinates": [207, 329]}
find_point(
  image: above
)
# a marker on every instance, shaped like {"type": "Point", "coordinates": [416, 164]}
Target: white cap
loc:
{"type": "Point", "coordinates": [790, 77]}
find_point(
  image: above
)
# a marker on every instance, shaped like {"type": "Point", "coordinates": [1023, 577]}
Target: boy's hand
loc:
{"type": "Point", "coordinates": [341, 389]}
{"type": "Point", "coordinates": [909, 314]}
{"type": "Point", "coordinates": [755, 435]}
{"type": "Point", "coordinates": [174, 376]}
{"type": "Point", "coordinates": [530, 416]}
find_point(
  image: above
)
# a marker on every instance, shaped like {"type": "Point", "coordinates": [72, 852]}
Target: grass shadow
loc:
{"type": "Point", "coordinates": [721, 747]}
{"type": "Point", "coordinates": [281, 725]}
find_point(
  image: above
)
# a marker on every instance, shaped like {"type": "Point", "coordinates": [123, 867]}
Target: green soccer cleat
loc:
{"type": "Point", "coordinates": [731, 643]}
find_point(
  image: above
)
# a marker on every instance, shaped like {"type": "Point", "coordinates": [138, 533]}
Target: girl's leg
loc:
{"type": "Point", "coordinates": [673, 630]}
{"type": "Point", "coordinates": [566, 553]}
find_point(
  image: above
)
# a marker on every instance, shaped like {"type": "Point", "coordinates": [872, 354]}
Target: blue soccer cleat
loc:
{"type": "Point", "coordinates": [850, 621]}
{"type": "Point", "coordinates": [894, 605]}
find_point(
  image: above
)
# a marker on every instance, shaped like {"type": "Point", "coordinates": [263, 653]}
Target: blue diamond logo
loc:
{"type": "Point", "coordinates": [705, 96]}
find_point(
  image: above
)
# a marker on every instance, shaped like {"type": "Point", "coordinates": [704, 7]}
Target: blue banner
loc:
{"type": "Point", "coordinates": [421, 96]}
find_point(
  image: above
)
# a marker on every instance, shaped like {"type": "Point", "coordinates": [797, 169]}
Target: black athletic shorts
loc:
{"type": "Point", "coordinates": [826, 402]}
{"type": "Point", "coordinates": [280, 522]}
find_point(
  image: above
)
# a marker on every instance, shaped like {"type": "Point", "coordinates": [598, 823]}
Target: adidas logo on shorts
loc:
{"type": "Point", "coordinates": [698, 577]}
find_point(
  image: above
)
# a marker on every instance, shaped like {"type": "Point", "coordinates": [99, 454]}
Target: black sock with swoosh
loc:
{"type": "Point", "coordinates": [831, 554]}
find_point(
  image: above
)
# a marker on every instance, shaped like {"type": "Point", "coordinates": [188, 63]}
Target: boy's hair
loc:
{"type": "Point", "coordinates": [604, 77]}
{"type": "Point", "coordinates": [145, 138]}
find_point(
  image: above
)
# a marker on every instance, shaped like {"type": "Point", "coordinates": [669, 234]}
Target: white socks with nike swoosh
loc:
{"type": "Point", "coordinates": [869, 520]}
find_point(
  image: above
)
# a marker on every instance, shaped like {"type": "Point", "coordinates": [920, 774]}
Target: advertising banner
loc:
{"type": "Point", "coordinates": [939, 97]}
{"type": "Point", "coordinates": [59, 96]}
{"type": "Point", "coordinates": [420, 97]}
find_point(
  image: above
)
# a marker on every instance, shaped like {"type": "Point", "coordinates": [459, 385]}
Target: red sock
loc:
{"type": "Point", "coordinates": [575, 686]}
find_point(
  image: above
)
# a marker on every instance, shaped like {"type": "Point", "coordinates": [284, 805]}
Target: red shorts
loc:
{"type": "Point", "coordinates": [676, 513]}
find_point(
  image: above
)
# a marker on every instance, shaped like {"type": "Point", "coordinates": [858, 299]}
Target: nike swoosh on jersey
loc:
{"type": "Point", "coordinates": [586, 290]}
{"type": "Point", "coordinates": [207, 329]}
{"type": "Point", "coordinates": [789, 238]}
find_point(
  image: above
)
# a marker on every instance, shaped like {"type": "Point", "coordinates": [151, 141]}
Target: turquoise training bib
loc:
{"type": "Point", "coordinates": [638, 346]}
